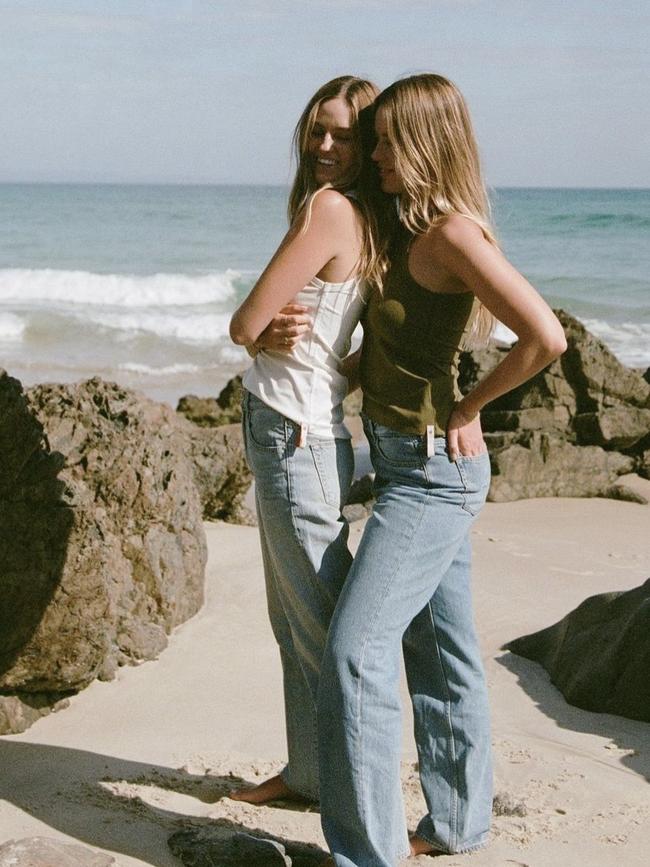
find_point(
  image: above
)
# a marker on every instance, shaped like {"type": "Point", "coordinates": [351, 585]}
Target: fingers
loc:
{"type": "Point", "coordinates": [452, 443]}
{"type": "Point", "coordinates": [293, 330]}
{"type": "Point", "coordinates": [291, 321]}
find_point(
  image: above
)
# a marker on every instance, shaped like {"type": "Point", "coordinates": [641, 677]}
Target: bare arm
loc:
{"type": "Point", "coordinates": [301, 256]}
{"type": "Point", "coordinates": [461, 249]}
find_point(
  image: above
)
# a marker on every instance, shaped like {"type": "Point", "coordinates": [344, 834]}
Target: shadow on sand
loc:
{"type": "Point", "coordinates": [82, 794]}
{"type": "Point", "coordinates": [626, 734]}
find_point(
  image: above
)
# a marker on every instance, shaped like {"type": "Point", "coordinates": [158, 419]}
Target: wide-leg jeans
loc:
{"type": "Point", "coordinates": [409, 588]}
{"type": "Point", "coordinates": [299, 494]}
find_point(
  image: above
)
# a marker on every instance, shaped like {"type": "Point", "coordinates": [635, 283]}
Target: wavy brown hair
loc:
{"type": "Point", "coordinates": [436, 157]}
{"type": "Point", "coordinates": [359, 94]}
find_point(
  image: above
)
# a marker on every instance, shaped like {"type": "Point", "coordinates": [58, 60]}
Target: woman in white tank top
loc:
{"type": "Point", "coordinates": [296, 442]}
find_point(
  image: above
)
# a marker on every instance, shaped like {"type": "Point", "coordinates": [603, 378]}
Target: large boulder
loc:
{"type": "Point", "coordinates": [599, 654]}
{"type": "Point", "coordinates": [544, 464]}
{"type": "Point", "coordinates": [102, 548]}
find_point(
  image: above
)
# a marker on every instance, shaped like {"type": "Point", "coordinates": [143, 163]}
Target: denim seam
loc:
{"type": "Point", "coordinates": [453, 806]}
{"type": "Point", "coordinates": [322, 476]}
{"type": "Point", "coordinates": [384, 596]}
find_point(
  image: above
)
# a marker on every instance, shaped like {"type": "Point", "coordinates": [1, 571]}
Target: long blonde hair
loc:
{"type": "Point", "coordinates": [436, 157]}
{"type": "Point", "coordinates": [359, 94]}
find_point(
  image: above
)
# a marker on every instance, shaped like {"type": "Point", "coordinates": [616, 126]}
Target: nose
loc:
{"type": "Point", "coordinates": [375, 155]}
{"type": "Point", "coordinates": [326, 142]}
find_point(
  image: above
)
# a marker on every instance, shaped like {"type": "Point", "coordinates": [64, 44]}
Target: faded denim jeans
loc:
{"type": "Point", "coordinates": [409, 589]}
{"type": "Point", "coordinates": [299, 493]}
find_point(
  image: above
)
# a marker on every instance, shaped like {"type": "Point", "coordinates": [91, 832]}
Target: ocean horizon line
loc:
{"type": "Point", "coordinates": [277, 186]}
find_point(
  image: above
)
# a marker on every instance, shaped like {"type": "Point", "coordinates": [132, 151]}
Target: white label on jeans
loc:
{"type": "Point", "coordinates": [302, 436]}
{"type": "Point", "coordinates": [431, 446]}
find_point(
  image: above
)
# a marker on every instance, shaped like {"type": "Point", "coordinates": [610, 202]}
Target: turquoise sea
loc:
{"type": "Point", "coordinates": [137, 283]}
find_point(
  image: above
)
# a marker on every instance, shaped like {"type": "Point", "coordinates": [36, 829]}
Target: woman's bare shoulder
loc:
{"type": "Point", "coordinates": [330, 202]}
{"type": "Point", "coordinates": [455, 231]}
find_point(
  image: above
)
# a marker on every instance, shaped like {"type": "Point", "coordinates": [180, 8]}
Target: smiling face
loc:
{"type": "Point", "coordinates": [384, 156]}
{"type": "Point", "coordinates": [332, 144]}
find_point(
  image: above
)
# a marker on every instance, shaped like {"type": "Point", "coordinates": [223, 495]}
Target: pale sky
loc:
{"type": "Point", "coordinates": [209, 92]}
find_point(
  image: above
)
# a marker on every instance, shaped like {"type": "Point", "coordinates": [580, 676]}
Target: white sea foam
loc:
{"type": "Point", "coordinates": [51, 287]}
{"type": "Point", "coordinates": [233, 355]}
{"type": "Point", "coordinates": [186, 327]}
{"type": "Point", "coordinates": [12, 328]}
{"type": "Point", "coordinates": [168, 370]}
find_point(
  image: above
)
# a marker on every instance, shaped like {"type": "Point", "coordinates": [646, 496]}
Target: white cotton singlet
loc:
{"type": "Point", "coordinates": [305, 385]}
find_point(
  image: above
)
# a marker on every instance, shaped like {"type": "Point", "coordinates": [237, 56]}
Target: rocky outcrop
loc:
{"type": "Point", "coordinates": [46, 852]}
{"type": "Point", "coordinates": [214, 411]}
{"type": "Point", "coordinates": [212, 429]}
{"type": "Point", "coordinates": [599, 655]}
{"type": "Point", "coordinates": [569, 431]}
{"type": "Point", "coordinates": [220, 471]}
{"type": "Point", "coordinates": [102, 548]}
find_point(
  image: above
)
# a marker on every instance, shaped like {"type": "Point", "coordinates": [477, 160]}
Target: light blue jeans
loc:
{"type": "Point", "coordinates": [299, 494]}
{"type": "Point", "coordinates": [409, 588]}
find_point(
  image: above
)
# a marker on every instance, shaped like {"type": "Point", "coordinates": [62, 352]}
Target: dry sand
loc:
{"type": "Point", "coordinates": [131, 761]}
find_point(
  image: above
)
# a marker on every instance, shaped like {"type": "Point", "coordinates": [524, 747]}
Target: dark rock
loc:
{"type": "Point", "coordinates": [46, 852]}
{"type": "Point", "coordinates": [504, 804]}
{"type": "Point", "coordinates": [475, 364]}
{"type": "Point", "coordinates": [356, 512]}
{"type": "Point", "coordinates": [18, 714]}
{"type": "Point", "coordinates": [616, 428]}
{"type": "Point", "coordinates": [230, 398]}
{"type": "Point", "coordinates": [540, 464]}
{"type": "Point", "coordinates": [643, 467]}
{"type": "Point", "coordinates": [598, 378]}
{"type": "Point", "coordinates": [223, 846]}
{"type": "Point", "coordinates": [214, 412]}
{"type": "Point", "coordinates": [202, 411]}
{"type": "Point", "coordinates": [102, 548]}
{"type": "Point", "coordinates": [599, 654]}
{"type": "Point", "coordinates": [626, 493]}
{"type": "Point", "coordinates": [220, 471]}
{"type": "Point", "coordinates": [362, 490]}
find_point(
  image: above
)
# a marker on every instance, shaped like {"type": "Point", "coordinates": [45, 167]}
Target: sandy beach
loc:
{"type": "Point", "coordinates": [155, 751]}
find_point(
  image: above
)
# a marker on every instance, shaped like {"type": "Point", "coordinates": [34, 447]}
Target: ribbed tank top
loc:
{"type": "Point", "coordinates": [411, 345]}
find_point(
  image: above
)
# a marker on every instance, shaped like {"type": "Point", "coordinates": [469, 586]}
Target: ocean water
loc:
{"type": "Point", "coordinates": [137, 283]}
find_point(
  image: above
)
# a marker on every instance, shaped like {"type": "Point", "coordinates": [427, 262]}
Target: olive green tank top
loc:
{"type": "Point", "coordinates": [411, 345]}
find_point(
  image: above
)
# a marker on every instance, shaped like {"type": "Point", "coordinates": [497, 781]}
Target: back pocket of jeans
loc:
{"type": "Point", "coordinates": [475, 476]}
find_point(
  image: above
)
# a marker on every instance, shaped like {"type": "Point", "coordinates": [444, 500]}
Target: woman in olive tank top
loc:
{"type": "Point", "coordinates": [409, 586]}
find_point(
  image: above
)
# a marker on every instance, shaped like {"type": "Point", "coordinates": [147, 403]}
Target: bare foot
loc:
{"type": "Point", "coordinates": [273, 789]}
{"type": "Point", "coordinates": [421, 847]}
